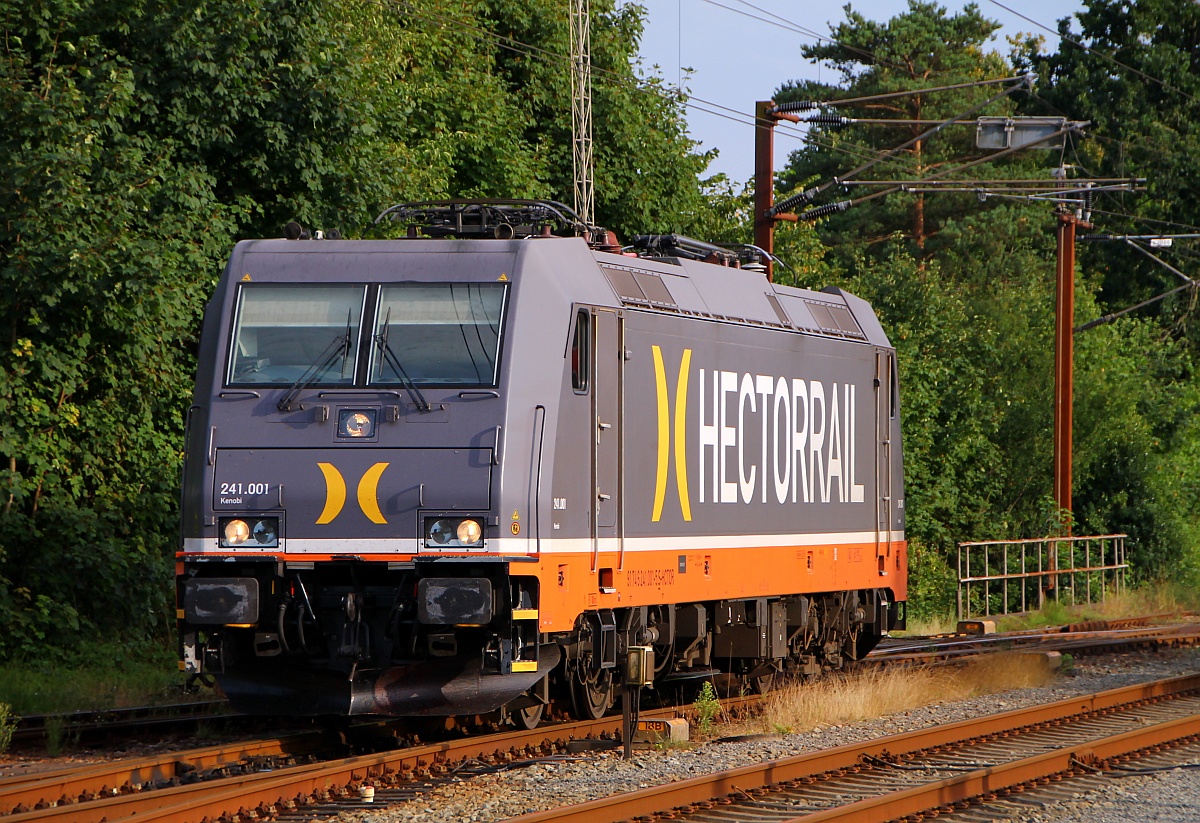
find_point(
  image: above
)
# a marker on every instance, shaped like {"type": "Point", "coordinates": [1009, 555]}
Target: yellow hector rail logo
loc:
{"type": "Point", "coordinates": [335, 493]}
{"type": "Point", "coordinates": [664, 434]}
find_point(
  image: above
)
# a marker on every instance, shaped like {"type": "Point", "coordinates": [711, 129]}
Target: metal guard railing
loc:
{"type": "Point", "coordinates": [995, 575]}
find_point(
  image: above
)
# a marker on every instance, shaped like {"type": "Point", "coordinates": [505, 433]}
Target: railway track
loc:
{"type": "Point", "coordinates": [1093, 638]}
{"type": "Point", "coordinates": [951, 772]}
{"type": "Point", "coordinates": [271, 777]}
{"type": "Point", "coordinates": [89, 727]}
{"type": "Point", "coordinates": [284, 776]}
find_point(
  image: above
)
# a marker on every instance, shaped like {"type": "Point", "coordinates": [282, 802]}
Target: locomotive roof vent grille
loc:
{"type": "Point", "coordinates": [833, 319]}
{"type": "Point", "coordinates": [778, 309]}
{"type": "Point", "coordinates": [634, 286]}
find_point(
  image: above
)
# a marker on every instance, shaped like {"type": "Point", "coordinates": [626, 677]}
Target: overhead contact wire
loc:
{"type": "Point", "coordinates": [807, 196]}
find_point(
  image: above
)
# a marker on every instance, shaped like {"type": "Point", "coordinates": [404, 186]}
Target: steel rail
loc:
{"type": "Point", "coordinates": [972, 785]}
{"type": "Point", "coordinates": [1057, 640]}
{"type": "Point", "coordinates": [125, 776]}
{"type": "Point", "coordinates": [214, 798]}
{"type": "Point", "coordinates": [699, 790]}
{"type": "Point", "coordinates": [279, 786]}
{"type": "Point", "coordinates": [65, 787]}
{"type": "Point", "coordinates": [33, 727]}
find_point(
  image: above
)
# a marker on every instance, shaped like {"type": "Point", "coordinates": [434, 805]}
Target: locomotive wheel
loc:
{"type": "Point", "coordinates": [764, 683]}
{"type": "Point", "coordinates": [591, 694]}
{"type": "Point", "coordinates": [529, 717]}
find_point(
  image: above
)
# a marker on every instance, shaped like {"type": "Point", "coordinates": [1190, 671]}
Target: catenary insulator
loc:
{"type": "Point", "coordinates": [799, 105]}
{"type": "Point", "coordinates": [789, 203]}
{"type": "Point", "coordinates": [826, 210]}
{"type": "Point", "coordinates": [829, 120]}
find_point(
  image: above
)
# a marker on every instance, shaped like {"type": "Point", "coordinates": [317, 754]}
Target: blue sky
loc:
{"type": "Point", "coordinates": [737, 59]}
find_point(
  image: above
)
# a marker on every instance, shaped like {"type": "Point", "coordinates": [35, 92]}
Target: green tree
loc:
{"type": "Point", "coordinates": [965, 289]}
{"type": "Point", "coordinates": [102, 284]}
{"type": "Point", "coordinates": [142, 138]}
{"type": "Point", "coordinates": [1132, 69]}
{"type": "Point", "coordinates": [922, 48]}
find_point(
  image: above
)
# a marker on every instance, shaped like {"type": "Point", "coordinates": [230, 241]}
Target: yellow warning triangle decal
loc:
{"type": "Point", "coordinates": [503, 278]}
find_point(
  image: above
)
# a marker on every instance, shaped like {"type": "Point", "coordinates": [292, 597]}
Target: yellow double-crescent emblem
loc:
{"type": "Point", "coordinates": [664, 435]}
{"type": "Point", "coordinates": [335, 493]}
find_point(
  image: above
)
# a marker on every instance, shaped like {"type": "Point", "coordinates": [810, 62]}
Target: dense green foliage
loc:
{"type": "Point", "coordinates": [966, 287]}
{"type": "Point", "coordinates": [142, 138]}
{"type": "Point", "coordinates": [922, 49]}
{"type": "Point", "coordinates": [8, 725]}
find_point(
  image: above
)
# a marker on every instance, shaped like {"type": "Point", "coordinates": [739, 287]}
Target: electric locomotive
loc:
{"type": "Point", "coordinates": [501, 459]}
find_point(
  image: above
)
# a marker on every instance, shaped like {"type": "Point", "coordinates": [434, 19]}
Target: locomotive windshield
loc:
{"type": "Point", "coordinates": [437, 334]}
{"type": "Point", "coordinates": [417, 334]}
{"type": "Point", "coordinates": [284, 332]}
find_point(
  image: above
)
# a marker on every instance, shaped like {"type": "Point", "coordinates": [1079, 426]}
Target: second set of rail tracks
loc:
{"type": "Point", "coordinates": [941, 771]}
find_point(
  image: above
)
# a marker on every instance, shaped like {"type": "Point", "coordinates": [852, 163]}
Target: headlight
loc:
{"type": "Point", "coordinates": [266, 532]}
{"type": "Point", "coordinates": [356, 423]}
{"type": "Point", "coordinates": [453, 532]}
{"type": "Point", "coordinates": [469, 532]}
{"type": "Point", "coordinates": [251, 532]}
{"type": "Point", "coordinates": [442, 532]}
{"type": "Point", "coordinates": [235, 533]}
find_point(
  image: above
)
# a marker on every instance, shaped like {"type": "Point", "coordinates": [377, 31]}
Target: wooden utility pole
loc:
{"type": "Point", "coordinates": [1064, 356]}
{"type": "Point", "coordinates": [764, 180]}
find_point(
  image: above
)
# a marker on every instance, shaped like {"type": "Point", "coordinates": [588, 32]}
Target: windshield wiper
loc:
{"type": "Point", "coordinates": [390, 358]}
{"type": "Point", "coordinates": [338, 347]}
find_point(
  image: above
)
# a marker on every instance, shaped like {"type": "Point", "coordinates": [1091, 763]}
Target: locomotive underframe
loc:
{"type": "Point", "coordinates": [461, 637]}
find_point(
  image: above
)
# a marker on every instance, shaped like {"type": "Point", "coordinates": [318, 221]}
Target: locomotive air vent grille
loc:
{"type": "Point", "coordinates": [834, 319]}
{"type": "Point", "coordinates": [624, 284]}
{"type": "Point", "coordinates": [654, 288]}
{"type": "Point", "coordinates": [635, 286]}
{"type": "Point", "coordinates": [844, 320]}
{"type": "Point", "coordinates": [779, 312]}
{"type": "Point", "coordinates": [639, 287]}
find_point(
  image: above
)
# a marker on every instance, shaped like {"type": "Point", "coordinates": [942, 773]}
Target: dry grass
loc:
{"type": "Point", "coordinates": [929, 625]}
{"type": "Point", "coordinates": [845, 699]}
{"type": "Point", "coordinates": [1162, 598]}
{"type": "Point", "coordinates": [1157, 598]}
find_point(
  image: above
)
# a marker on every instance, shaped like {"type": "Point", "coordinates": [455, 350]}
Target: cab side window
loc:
{"type": "Point", "coordinates": [581, 353]}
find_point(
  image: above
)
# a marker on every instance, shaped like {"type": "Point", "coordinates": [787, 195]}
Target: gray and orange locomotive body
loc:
{"type": "Point", "coordinates": [434, 476]}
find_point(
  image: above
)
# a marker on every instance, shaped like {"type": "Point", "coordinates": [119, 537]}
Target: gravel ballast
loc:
{"type": "Point", "coordinates": [1168, 797]}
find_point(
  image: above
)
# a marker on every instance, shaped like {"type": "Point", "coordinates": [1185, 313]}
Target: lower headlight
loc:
{"type": "Point", "coordinates": [442, 532]}
{"type": "Point", "coordinates": [251, 532]}
{"type": "Point", "coordinates": [266, 532]}
{"type": "Point", "coordinates": [453, 532]}
{"type": "Point", "coordinates": [469, 532]}
{"type": "Point", "coordinates": [235, 533]}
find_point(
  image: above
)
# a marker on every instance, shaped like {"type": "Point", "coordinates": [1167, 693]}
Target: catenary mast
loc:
{"type": "Point", "coordinates": [581, 109]}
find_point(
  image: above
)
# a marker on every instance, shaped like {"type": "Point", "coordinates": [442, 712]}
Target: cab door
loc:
{"type": "Point", "coordinates": [884, 499]}
{"type": "Point", "coordinates": [607, 404]}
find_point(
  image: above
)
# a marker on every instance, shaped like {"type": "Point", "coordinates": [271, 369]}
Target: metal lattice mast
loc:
{"type": "Point", "coordinates": [581, 109]}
